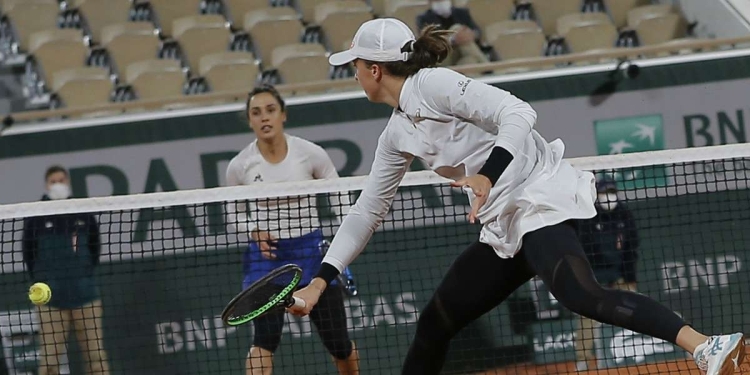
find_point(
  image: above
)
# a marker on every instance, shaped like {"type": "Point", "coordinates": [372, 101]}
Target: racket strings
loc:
{"type": "Point", "coordinates": [266, 295]}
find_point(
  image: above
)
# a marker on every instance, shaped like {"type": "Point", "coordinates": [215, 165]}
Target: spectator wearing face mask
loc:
{"type": "Point", "coordinates": [464, 41]}
{"type": "Point", "coordinates": [610, 240]}
{"type": "Point", "coordinates": [62, 251]}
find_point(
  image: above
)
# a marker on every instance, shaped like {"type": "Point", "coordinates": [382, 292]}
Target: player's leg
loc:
{"type": "Point", "coordinates": [329, 318]}
{"type": "Point", "coordinates": [557, 256]}
{"type": "Point", "coordinates": [477, 281]}
{"type": "Point", "coordinates": [266, 338]}
{"type": "Point", "coordinates": [54, 333]}
{"type": "Point", "coordinates": [87, 322]}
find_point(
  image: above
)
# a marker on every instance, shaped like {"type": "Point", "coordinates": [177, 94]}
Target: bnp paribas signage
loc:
{"type": "Point", "coordinates": [618, 347]}
{"type": "Point", "coordinates": [632, 134]}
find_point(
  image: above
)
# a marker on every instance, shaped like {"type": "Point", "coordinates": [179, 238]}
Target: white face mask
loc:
{"type": "Point", "coordinates": [607, 201]}
{"type": "Point", "coordinates": [441, 8]}
{"type": "Point", "coordinates": [58, 191]}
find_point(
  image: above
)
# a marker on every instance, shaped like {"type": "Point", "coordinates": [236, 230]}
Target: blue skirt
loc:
{"type": "Point", "coordinates": [304, 251]}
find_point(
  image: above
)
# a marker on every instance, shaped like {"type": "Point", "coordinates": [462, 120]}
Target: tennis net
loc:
{"type": "Point", "coordinates": [169, 262]}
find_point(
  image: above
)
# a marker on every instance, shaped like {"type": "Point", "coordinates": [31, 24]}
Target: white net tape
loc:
{"type": "Point", "coordinates": [721, 175]}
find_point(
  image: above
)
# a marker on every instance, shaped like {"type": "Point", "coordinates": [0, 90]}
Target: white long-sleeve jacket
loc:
{"type": "Point", "coordinates": [452, 123]}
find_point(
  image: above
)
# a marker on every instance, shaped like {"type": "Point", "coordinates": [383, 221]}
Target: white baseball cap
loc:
{"type": "Point", "coordinates": [380, 40]}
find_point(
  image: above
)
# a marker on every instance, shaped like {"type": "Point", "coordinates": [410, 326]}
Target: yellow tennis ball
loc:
{"type": "Point", "coordinates": [40, 293]}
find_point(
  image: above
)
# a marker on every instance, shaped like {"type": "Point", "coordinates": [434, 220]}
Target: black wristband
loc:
{"type": "Point", "coordinates": [496, 164]}
{"type": "Point", "coordinates": [327, 272]}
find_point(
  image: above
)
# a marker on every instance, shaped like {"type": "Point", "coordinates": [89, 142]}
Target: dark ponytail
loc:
{"type": "Point", "coordinates": [431, 48]}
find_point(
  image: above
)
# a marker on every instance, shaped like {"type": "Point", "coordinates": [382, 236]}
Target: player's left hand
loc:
{"type": "Point", "coordinates": [310, 294]}
{"type": "Point", "coordinates": [480, 185]}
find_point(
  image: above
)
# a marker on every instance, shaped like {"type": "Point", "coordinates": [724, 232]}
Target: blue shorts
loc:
{"type": "Point", "coordinates": [304, 251]}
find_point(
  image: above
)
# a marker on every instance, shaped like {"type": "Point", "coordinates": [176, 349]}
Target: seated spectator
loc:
{"type": "Point", "coordinates": [465, 47]}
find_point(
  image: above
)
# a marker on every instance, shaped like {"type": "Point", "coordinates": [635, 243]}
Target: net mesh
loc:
{"type": "Point", "coordinates": [139, 282]}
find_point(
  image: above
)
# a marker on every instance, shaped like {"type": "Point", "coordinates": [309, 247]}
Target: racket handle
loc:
{"type": "Point", "coordinates": [298, 302]}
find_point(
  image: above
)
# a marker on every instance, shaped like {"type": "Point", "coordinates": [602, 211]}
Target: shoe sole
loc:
{"type": "Point", "coordinates": [729, 366]}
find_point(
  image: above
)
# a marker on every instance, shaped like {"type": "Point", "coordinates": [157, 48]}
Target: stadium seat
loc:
{"type": "Point", "coordinates": [548, 11]}
{"type": "Point", "coordinates": [83, 87]}
{"type": "Point", "coordinates": [407, 11]}
{"type": "Point", "coordinates": [587, 31]}
{"type": "Point", "coordinates": [516, 39]}
{"type": "Point", "coordinates": [656, 24]}
{"type": "Point", "coordinates": [635, 15]}
{"type": "Point", "coordinates": [340, 20]}
{"type": "Point", "coordinates": [29, 16]}
{"type": "Point", "coordinates": [236, 9]}
{"type": "Point", "coordinates": [487, 12]}
{"type": "Point", "coordinates": [201, 35]}
{"type": "Point", "coordinates": [307, 8]}
{"type": "Point", "coordinates": [57, 49]}
{"type": "Point", "coordinates": [301, 62]}
{"type": "Point", "coordinates": [6, 5]}
{"type": "Point", "coordinates": [97, 14]}
{"type": "Point", "coordinates": [378, 7]}
{"type": "Point", "coordinates": [153, 79]}
{"type": "Point", "coordinates": [129, 42]}
{"type": "Point", "coordinates": [618, 9]}
{"type": "Point", "coordinates": [167, 11]}
{"type": "Point", "coordinates": [273, 27]}
{"type": "Point", "coordinates": [229, 71]}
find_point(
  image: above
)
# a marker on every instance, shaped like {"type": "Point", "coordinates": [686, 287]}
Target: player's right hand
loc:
{"type": "Point", "coordinates": [310, 294]}
{"type": "Point", "coordinates": [266, 242]}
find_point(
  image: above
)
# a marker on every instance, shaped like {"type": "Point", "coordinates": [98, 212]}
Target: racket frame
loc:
{"type": "Point", "coordinates": [282, 299]}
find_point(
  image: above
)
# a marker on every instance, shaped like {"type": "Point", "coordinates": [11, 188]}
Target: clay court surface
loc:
{"type": "Point", "coordinates": [686, 367]}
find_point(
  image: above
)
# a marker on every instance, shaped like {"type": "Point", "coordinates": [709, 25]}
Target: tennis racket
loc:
{"type": "Point", "coordinates": [270, 293]}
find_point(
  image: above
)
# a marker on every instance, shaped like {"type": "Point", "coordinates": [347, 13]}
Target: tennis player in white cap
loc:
{"type": "Point", "coordinates": [520, 188]}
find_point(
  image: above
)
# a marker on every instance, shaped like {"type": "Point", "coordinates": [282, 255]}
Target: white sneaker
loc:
{"type": "Point", "coordinates": [721, 355]}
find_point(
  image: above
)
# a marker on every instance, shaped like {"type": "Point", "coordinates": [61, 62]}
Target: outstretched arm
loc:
{"type": "Point", "coordinates": [366, 215]}
{"type": "Point", "coordinates": [386, 173]}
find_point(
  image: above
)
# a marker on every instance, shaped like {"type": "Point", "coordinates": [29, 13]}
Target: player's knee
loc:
{"type": "Point", "coordinates": [576, 288]}
{"type": "Point", "coordinates": [266, 343]}
{"type": "Point", "coordinates": [607, 306]}
{"type": "Point", "coordinates": [434, 323]}
{"type": "Point", "coordinates": [341, 349]}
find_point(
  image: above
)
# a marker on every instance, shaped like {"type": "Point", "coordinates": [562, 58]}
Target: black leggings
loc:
{"type": "Point", "coordinates": [329, 319]}
{"type": "Point", "coordinates": [479, 280]}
